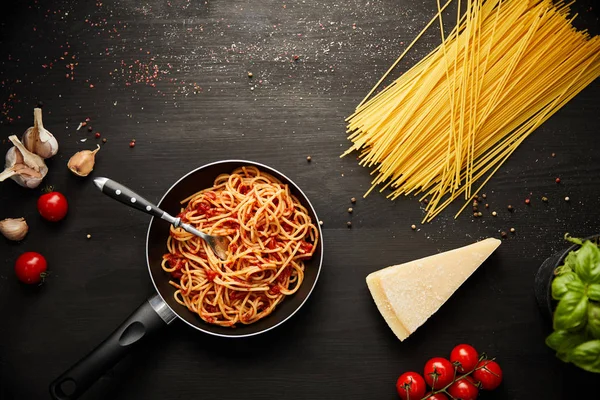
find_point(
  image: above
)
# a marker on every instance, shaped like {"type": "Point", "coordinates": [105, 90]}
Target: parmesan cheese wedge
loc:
{"type": "Point", "coordinates": [408, 294]}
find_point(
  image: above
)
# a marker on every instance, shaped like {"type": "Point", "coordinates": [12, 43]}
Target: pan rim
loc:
{"type": "Point", "coordinates": [320, 265]}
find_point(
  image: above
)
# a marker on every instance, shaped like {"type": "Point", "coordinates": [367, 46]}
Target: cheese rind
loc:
{"type": "Point", "coordinates": [408, 294]}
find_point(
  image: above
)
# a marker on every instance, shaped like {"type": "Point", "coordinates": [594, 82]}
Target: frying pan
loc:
{"type": "Point", "coordinates": [161, 309]}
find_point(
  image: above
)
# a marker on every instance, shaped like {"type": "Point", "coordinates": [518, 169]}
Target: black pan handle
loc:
{"type": "Point", "coordinates": [127, 196]}
{"type": "Point", "coordinates": [152, 315]}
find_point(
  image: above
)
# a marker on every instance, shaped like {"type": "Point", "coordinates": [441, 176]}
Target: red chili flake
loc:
{"type": "Point", "coordinates": [84, 124]}
{"type": "Point", "coordinates": [87, 119]}
{"type": "Point", "coordinates": [132, 144]}
{"type": "Point", "coordinates": [97, 135]}
{"type": "Point", "coordinates": [91, 86]}
{"type": "Point", "coordinates": [90, 128]}
{"type": "Point", "coordinates": [527, 201]}
{"type": "Point", "coordinates": [557, 180]}
{"type": "Point", "coordinates": [296, 58]}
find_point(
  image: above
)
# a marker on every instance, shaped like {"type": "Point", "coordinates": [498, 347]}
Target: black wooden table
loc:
{"type": "Point", "coordinates": [174, 76]}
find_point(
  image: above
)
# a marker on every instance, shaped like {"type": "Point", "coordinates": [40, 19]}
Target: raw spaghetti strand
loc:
{"type": "Point", "coordinates": [271, 235]}
{"type": "Point", "coordinates": [458, 114]}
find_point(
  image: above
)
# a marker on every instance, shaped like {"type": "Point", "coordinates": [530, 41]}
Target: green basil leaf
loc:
{"type": "Point", "coordinates": [575, 286]}
{"type": "Point", "coordinates": [571, 312]}
{"type": "Point", "coordinates": [594, 320]}
{"type": "Point", "coordinates": [559, 284]}
{"type": "Point", "coordinates": [564, 341]}
{"type": "Point", "coordinates": [587, 262]}
{"type": "Point", "coordinates": [593, 291]}
{"type": "Point", "coordinates": [587, 356]}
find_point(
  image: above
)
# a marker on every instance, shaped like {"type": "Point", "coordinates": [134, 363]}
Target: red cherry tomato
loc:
{"type": "Point", "coordinates": [489, 374]}
{"type": "Point", "coordinates": [411, 386]}
{"type": "Point", "coordinates": [52, 206]}
{"type": "Point", "coordinates": [437, 396]}
{"type": "Point", "coordinates": [31, 267]}
{"type": "Point", "coordinates": [438, 372]}
{"type": "Point", "coordinates": [465, 357]}
{"type": "Point", "coordinates": [464, 389]}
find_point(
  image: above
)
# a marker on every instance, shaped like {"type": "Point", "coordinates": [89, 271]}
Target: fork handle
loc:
{"type": "Point", "coordinates": [127, 196]}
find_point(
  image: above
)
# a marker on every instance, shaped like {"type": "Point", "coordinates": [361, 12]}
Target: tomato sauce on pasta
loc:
{"type": "Point", "coordinates": [271, 235]}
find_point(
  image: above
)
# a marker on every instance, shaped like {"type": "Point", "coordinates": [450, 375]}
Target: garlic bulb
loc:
{"type": "Point", "coordinates": [82, 162]}
{"type": "Point", "coordinates": [22, 166]}
{"type": "Point", "coordinates": [37, 139]}
{"type": "Point", "coordinates": [14, 228]}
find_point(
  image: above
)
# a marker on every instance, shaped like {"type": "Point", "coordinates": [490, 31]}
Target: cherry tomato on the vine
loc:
{"type": "Point", "coordinates": [31, 267]}
{"type": "Point", "coordinates": [411, 386]}
{"type": "Point", "coordinates": [464, 389]}
{"type": "Point", "coordinates": [489, 374]}
{"type": "Point", "coordinates": [438, 372]}
{"type": "Point", "coordinates": [52, 206]}
{"type": "Point", "coordinates": [437, 396]}
{"type": "Point", "coordinates": [465, 357]}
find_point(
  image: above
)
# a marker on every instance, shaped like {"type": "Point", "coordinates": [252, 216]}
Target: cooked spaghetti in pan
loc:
{"type": "Point", "coordinates": [271, 235]}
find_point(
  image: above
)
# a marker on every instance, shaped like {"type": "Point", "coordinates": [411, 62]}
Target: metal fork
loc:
{"type": "Point", "coordinates": [119, 192]}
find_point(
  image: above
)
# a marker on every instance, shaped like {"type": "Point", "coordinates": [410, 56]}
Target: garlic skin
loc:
{"type": "Point", "coordinates": [82, 162]}
{"type": "Point", "coordinates": [22, 166]}
{"type": "Point", "coordinates": [14, 228]}
{"type": "Point", "coordinates": [37, 139]}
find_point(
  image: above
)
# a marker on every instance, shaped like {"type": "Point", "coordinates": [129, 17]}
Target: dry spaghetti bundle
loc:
{"type": "Point", "coordinates": [444, 127]}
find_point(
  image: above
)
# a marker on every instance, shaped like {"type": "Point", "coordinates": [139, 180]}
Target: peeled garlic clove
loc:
{"type": "Point", "coordinates": [37, 139]}
{"type": "Point", "coordinates": [14, 228]}
{"type": "Point", "coordinates": [82, 162]}
{"type": "Point", "coordinates": [22, 166]}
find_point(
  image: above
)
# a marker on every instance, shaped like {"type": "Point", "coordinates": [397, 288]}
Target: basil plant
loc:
{"type": "Point", "coordinates": [576, 287]}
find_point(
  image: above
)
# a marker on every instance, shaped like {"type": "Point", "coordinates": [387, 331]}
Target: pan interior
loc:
{"type": "Point", "coordinates": [156, 246]}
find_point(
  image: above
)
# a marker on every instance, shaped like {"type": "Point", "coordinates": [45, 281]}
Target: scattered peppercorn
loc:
{"type": "Point", "coordinates": [557, 180]}
{"type": "Point", "coordinates": [308, 158]}
{"type": "Point", "coordinates": [567, 198]}
{"type": "Point", "coordinates": [320, 222]}
{"type": "Point", "coordinates": [553, 154]}
{"type": "Point", "coordinates": [475, 209]}
{"type": "Point", "coordinates": [545, 199]}
{"type": "Point", "coordinates": [510, 208]}
{"type": "Point", "coordinates": [484, 196]}
{"type": "Point", "coordinates": [480, 214]}
{"type": "Point", "coordinates": [426, 201]}
{"type": "Point", "coordinates": [353, 200]}
{"type": "Point", "coordinates": [89, 236]}
{"type": "Point", "coordinates": [512, 230]}
{"type": "Point", "coordinates": [413, 227]}
{"type": "Point", "coordinates": [250, 75]}
{"type": "Point", "coordinates": [487, 205]}
{"type": "Point", "coordinates": [527, 201]}
{"type": "Point", "coordinates": [97, 135]}
{"type": "Point", "coordinates": [132, 144]}
{"type": "Point", "coordinates": [90, 128]}
{"type": "Point", "coordinates": [503, 234]}
{"type": "Point", "coordinates": [350, 210]}
{"type": "Point", "coordinates": [475, 215]}
{"type": "Point", "coordinates": [494, 213]}
{"type": "Point", "coordinates": [104, 140]}
{"type": "Point", "coordinates": [349, 224]}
